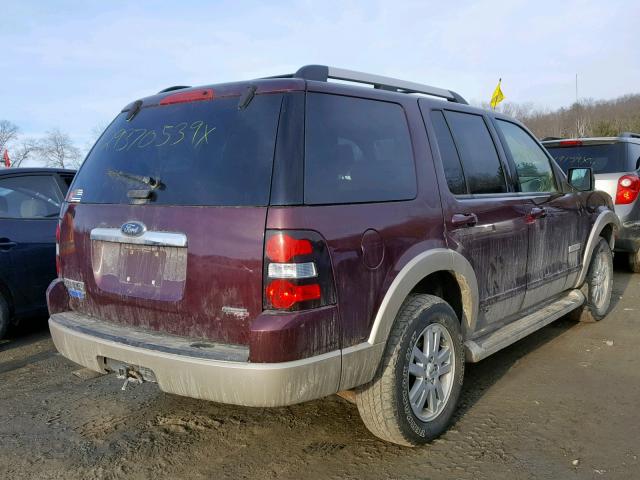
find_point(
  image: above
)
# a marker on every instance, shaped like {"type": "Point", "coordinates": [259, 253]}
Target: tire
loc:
{"type": "Point", "coordinates": [598, 285]}
{"type": "Point", "coordinates": [388, 404]}
{"type": "Point", "coordinates": [634, 262]}
{"type": "Point", "coordinates": [4, 317]}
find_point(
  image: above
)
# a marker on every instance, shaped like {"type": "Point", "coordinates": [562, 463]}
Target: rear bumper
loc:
{"type": "Point", "coordinates": [218, 375]}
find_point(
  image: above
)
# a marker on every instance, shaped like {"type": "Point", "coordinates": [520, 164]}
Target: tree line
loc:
{"type": "Point", "coordinates": [54, 149]}
{"type": "Point", "coordinates": [585, 118]}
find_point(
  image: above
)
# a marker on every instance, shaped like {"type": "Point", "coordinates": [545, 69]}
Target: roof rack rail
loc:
{"type": "Point", "coordinates": [171, 89]}
{"type": "Point", "coordinates": [322, 73]}
{"type": "Point", "coordinates": [630, 135]}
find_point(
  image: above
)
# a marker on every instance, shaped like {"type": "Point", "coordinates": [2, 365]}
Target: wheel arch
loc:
{"type": "Point", "coordinates": [605, 226]}
{"type": "Point", "coordinates": [360, 362]}
{"type": "Point", "coordinates": [432, 262]}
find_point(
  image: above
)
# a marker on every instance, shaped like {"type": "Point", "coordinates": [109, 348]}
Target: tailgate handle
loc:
{"type": "Point", "coordinates": [464, 220]}
{"type": "Point", "coordinates": [162, 239]}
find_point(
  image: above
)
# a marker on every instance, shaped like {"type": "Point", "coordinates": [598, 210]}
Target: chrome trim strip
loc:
{"type": "Point", "coordinates": [165, 239]}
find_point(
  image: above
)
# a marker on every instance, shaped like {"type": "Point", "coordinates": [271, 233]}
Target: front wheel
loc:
{"type": "Point", "coordinates": [598, 285]}
{"type": "Point", "coordinates": [411, 399]}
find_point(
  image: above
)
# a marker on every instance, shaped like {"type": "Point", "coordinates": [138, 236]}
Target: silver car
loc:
{"type": "Point", "coordinates": [615, 162]}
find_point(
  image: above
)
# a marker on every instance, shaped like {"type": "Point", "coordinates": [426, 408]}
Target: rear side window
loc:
{"type": "Point", "coordinates": [204, 153]}
{"type": "Point", "coordinates": [603, 158]}
{"type": "Point", "coordinates": [532, 164]}
{"type": "Point", "coordinates": [356, 150]}
{"type": "Point", "coordinates": [450, 159]}
{"type": "Point", "coordinates": [482, 167]}
{"type": "Point", "coordinates": [29, 197]}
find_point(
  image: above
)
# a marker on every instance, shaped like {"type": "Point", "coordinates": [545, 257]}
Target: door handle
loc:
{"type": "Point", "coordinates": [464, 219]}
{"type": "Point", "coordinates": [537, 212]}
{"type": "Point", "coordinates": [6, 244]}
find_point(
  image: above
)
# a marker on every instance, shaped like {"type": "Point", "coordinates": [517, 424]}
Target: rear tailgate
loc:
{"type": "Point", "coordinates": [210, 288]}
{"type": "Point", "coordinates": [165, 225]}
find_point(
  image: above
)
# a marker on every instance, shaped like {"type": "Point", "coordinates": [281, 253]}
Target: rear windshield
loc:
{"type": "Point", "coordinates": [605, 158]}
{"type": "Point", "coordinates": [204, 153]}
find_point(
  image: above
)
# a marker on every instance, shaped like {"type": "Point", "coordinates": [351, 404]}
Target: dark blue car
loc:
{"type": "Point", "coordinates": [30, 200]}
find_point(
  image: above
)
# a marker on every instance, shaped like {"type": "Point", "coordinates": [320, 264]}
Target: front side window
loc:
{"type": "Point", "coordinates": [356, 150]}
{"type": "Point", "coordinates": [29, 197]}
{"type": "Point", "coordinates": [532, 165]}
{"type": "Point", "coordinates": [480, 161]}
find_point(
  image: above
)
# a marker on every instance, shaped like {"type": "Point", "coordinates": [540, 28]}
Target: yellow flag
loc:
{"type": "Point", "coordinates": [497, 96]}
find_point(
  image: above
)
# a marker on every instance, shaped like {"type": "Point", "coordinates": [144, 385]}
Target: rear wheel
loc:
{"type": "Point", "coordinates": [411, 399]}
{"type": "Point", "coordinates": [634, 262]}
{"type": "Point", "coordinates": [4, 317]}
{"type": "Point", "coordinates": [598, 285]}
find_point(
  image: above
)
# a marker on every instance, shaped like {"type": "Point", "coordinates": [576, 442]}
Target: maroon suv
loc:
{"type": "Point", "coordinates": [278, 240]}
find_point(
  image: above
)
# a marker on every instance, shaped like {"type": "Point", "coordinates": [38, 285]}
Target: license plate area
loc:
{"type": "Point", "coordinates": [142, 271]}
{"type": "Point", "coordinates": [143, 265]}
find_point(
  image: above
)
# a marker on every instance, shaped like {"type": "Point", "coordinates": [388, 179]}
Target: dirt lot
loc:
{"type": "Point", "coordinates": [560, 404]}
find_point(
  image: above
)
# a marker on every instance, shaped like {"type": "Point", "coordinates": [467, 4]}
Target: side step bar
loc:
{"type": "Point", "coordinates": [479, 348]}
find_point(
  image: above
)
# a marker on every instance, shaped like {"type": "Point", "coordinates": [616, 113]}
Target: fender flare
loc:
{"type": "Point", "coordinates": [360, 362]}
{"type": "Point", "coordinates": [605, 218]}
{"type": "Point", "coordinates": [424, 264]}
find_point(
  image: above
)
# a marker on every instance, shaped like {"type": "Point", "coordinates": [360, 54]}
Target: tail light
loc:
{"type": "Point", "coordinates": [58, 249]}
{"type": "Point", "coordinates": [297, 271]}
{"type": "Point", "coordinates": [628, 189]}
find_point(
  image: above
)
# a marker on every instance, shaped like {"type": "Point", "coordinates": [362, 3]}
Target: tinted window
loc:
{"type": "Point", "coordinates": [605, 158]}
{"type": "Point", "coordinates": [532, 164]}
{"type": "Point", "coordinates": [34, 196]}
{"type": "Point", "coordinates": [448, 153]}
{"type": "Point", "coordinates": [478, 154]}
{"type": "Point", "coordinates": [634, 156]}
{"type": "Point", "coordinates": [204, 153]}
{"type": "Point", "coordinates": [356, 151]}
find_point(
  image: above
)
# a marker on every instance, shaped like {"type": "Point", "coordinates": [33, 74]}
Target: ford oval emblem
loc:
{"type": "Point", "coordinates": [133, 229]}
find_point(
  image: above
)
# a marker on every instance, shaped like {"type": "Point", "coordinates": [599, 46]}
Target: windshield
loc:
{"type": "Point", "coordinates": [604, 158]}
{"type": "Point", "coordinates": [202, 153]}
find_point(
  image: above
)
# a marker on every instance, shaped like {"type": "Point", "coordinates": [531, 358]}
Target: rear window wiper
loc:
{"type": "Point", "coordinates": [153, 182]}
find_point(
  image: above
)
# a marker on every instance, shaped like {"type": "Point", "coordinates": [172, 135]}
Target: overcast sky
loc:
{"type": "Point", "coordinates": [74, 65]}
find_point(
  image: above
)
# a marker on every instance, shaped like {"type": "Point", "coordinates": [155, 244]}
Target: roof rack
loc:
{"type": "Point", "coordinates": [171, 89]}
{"type": "Point", "coordinates": [322, 73]}
{"type": "Point", "coordinates": [630, 135]}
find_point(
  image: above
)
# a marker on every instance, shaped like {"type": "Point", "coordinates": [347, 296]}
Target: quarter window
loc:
{"type": "Point", "coordinates": [356, 150]}
{"type": "Point", "coordinates": [480, 161]}
{"type": "Point", "coordinates": [532, 165]}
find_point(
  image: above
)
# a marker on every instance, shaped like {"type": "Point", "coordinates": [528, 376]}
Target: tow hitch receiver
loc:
{"type": "Point", "coordinates": [131, 374]}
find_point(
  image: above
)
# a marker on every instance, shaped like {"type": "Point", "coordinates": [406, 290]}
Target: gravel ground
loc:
{"type": "Point", "coordinates": [560, 404]}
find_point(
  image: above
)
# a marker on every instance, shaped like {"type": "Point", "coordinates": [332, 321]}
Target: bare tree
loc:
{"type": "Point", "coordinates": [27, 148]}
{"type": "Point", "coordinates": [57, 150]}
{"type": "Point", "coordinates": [8, 133]}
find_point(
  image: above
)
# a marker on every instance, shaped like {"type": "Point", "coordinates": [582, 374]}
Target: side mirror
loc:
{"type": "Point", "coordinates": [581, 178]}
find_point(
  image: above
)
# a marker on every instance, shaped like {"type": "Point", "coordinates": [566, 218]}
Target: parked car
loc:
{"type": "Point", "coordinates": [274, 241]}
{"type": "Point", "coordinates": [615, 162]}
{"type": "Point", "coordinates": [30, 200]}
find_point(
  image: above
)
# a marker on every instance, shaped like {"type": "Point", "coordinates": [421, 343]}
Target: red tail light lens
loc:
{"type": "Point", "coordinates": [628, 189]}
{"type": "Point", "coordinates": [282, 247]}
{"type": "Point", "coordinates": [284, 294]}
{"type": "Point", "coordinates": [190, 96]}
{"type": "Point", "coordinates": [297, 272]}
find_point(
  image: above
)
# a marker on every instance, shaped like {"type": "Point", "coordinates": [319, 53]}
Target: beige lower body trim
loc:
{"type": "Point", "coordinates": [239, 383]}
